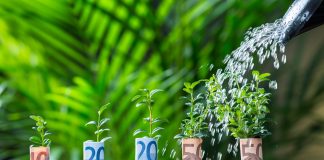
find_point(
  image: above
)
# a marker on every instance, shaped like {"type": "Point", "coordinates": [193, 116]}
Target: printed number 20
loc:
{"type": "Point", "coordinates": [148, 149]}
{"type": "Point", "coordinates": [93, 152]}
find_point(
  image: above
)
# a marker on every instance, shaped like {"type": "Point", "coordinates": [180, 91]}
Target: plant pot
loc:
{"type": "Point", "coordinates": [93, 150]}
{"type": "Point", "coordinates": [39, 153]}
{"type": "Point", "coordinates": [191, 149]}
{"type": "Point", "coordinates": [146, 149]}
{"type": "Point", "coordinates": [251, 148]}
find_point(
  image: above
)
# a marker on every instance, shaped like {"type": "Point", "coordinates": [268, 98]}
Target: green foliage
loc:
{"type": "Point", "coordinates": [99, 124]}
{"type": "Point", "coordinates": [193, 126]}
{"type": "Point", "coordinates": [146, 99]}
{"type": "Point", "coordinates": [245, 112]}
{"type": "Point", "coordinates": [60, 57]}
{"type": "Point", "coordinates": [40, 127]}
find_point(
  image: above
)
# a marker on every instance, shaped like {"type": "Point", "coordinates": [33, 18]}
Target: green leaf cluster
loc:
{"type": "Point", "coordinates": [193, 126]}
{"type": "Point", "coordinates": [99, 125]}
{"type": "Point", "coordinates": [40, 127]}
{"type": "Point", "coordinates": [245, 111]}
{"type": "Point", "coordinates": [69, 56]}
{"type": "Point", "coordinates": [146, 99]}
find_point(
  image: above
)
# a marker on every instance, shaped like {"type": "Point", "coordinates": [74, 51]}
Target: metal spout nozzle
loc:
{"type": "Point", "coordinates": [302, 16]}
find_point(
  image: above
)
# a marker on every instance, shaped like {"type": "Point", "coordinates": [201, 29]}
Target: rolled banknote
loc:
{"type": "Point", "coordinates": [93, 150]}
{"type": "Point", "coordinates": [39, 153]}
{"type": "Point", "coordinates": [146, 149]}
{"type": "Point", "coordinates": [251, 148]}
{"type": "Point", "coordinates": [191, 149]}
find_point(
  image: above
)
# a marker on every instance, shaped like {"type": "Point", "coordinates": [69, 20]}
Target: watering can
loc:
{"type": "Point", "coordinates": [302, 16]}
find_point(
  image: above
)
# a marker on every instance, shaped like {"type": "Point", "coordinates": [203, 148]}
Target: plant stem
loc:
{"type": "Point", "coordinates": [42, 137]}
{"type": "Point", "coordinates": [98, 127]}
{"type": "Point", "coordinates": [151, 115]}
{"type": "Point", "coordinates": [191, 114]}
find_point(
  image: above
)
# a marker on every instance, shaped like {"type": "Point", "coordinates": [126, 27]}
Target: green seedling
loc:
{"type": "Point", "coordinates": [193, 126]}
{"type": "Point", "coordinates": [99, 125]}
{"type": "Point", "coordinates": [146, 99]}
{"type": "Point", "coordinates": [40, 128]}
{"type": "Point", "coordinates": [245, 114]}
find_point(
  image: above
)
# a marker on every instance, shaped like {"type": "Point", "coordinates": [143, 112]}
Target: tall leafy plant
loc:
{"type": "Point", "coordinates": [193, 126]}
{"type": "Point", "coordinates": [40, 128]}
{"type": "Point", "coordinates": [146, 99]}
{"type": "Point", "coordinates": [99, 125]}
{"type": "Point", "coordinates": [245, 111]}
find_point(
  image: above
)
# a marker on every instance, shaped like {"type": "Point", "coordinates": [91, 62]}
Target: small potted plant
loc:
{"type": "Point", "coordinates": [95, 149]}
{"type": "Point", "coordinates": [193, 126]}
{"type": "Point", "coordinates": [146, 147]}
{"type": "Point", "coordinates": [245, 115]}
{"type": "Point", "coordinates": [40, 150]}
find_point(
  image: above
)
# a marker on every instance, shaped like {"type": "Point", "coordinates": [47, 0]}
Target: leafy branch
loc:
{"type": "Point", "coordinates": [245, 113]}
{"type": "Point", "coordinates": [40, 127]}
{"type": "Point", "coordinates": [193, 125]}
{"type": "Point", "coordinates": [146, 99]}
{"type": "Point", "coordinates": [99, 123]}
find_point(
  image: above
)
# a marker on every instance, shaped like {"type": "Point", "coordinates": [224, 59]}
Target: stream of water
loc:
{"type": "Point", "coordinates": [260, 44]}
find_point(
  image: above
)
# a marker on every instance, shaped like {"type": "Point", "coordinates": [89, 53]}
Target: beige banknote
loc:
{"type": "Point", "coordinates": [191, 149]}
{"type": "Point", "coordinates": [39, 153]}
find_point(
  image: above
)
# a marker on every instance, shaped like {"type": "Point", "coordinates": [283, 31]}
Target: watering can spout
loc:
{"type": "Point", "coordinates": [302, 15]}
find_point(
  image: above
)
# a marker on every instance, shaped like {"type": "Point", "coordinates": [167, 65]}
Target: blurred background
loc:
{"type": "Point", "coordinates": [63, 59]}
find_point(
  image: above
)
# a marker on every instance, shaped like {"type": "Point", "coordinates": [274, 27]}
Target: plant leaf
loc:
{"type": "Point", "coordinates": [187, 84]}
{"type": "Point", "coordinates": [200, 135]}
{"type": "Point", "coordinates": [179, 136]}
{"type": "Point", "coordinates": [144, 90]}
{"type": "Point", "coordinates": [187, 90]}
{"type": "Point", "coordinates": [139, 104]}
{"type": "Point", "coordinates": [47, 133]}
{"type": "Point", "coordinates": [47, 142]}
{"type": "Point", "coordinates": [101, 130]}
{"type": "Point", "coordinates": [156, 129]}
{"type": "Point", "coordinates": [91, 123]}
{"type": "Point", "coordinates": [135, 98]}
{"type": "Point", "coordinates": [264, 75]}
{"type": "Point", "coordinates": [35, 140]}
{"type": "Point", "coordinates": [138, 131]}
{"type": "Point", "coordinates": [35, 118]}
{"type": "Point", "coordinates": [105, 139]}
{"type": "Point", "coordinates": [194, 84]}
{"type": "Point", "coordinates": [156, 120]}
{"type": "Point", "coordinates": [155, 91]}
{"type": "Point", "coordinates": [147, 119]}
{"type": "Point", "coordinates": [103, 121]}
{"type": "Point", "coordinates": [157, 137]}
{"type": "Point", "coordinates": [103, 108]}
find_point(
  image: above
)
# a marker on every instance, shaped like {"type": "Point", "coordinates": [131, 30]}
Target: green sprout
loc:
{"type": "Point", "coordinates": [193, 125]}
{"type": "Point", "coordinates": [146, 99]}
{"type": "Point", "coordinates": [99, 124]}
{"type": "Point", "coordinates": [40, 127]}
{"type": "Point", "coordinates": [245, 114]}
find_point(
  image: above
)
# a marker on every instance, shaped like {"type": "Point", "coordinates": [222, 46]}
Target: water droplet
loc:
{"type": "Point", "coordinates": [276, 64]}
{"type": "Point", "coordinates": [282, 48]}
{"type": "Point", "coordinates": [173, 153]}
{"type": "Point", "coordinates": [220, 137]}
{"type": "Point", "coordinates": [273, 84]}
{"type": "Point", "coordinates": [219, 156]}
{"type": "Point", "coordinates": [211, 67]}
{"type": "Point", "coordinates": [283, 59]}
{"type": "Point", "coordinates": [229, 148]}
{"type": "Point", "coordinates": [212, 141]}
